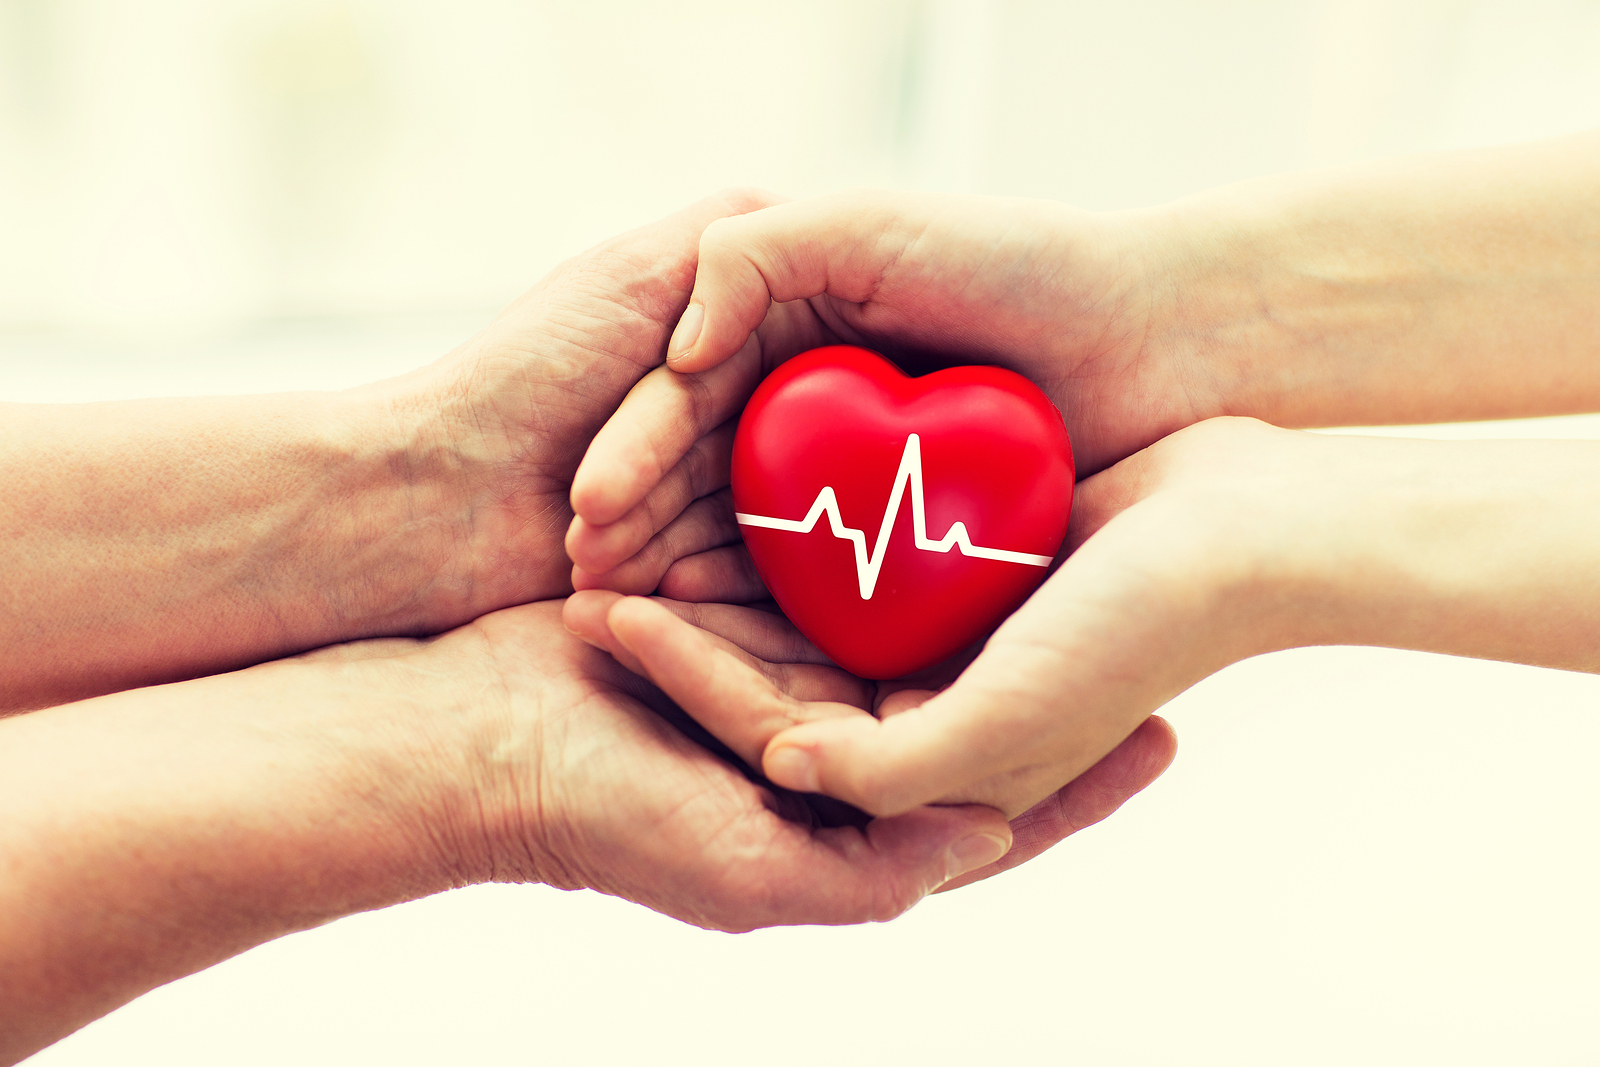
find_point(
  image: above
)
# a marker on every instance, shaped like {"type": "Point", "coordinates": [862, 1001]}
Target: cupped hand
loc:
{"type": "Point", "coordinates": [1064, 297]}
{"type": "Point", "coordinates": [502, 422]}
{"type": "Point", "coordinates": [748, 676]}
{"type": "Point", "coordinates": [579, 779]}
{"type": "Point", "coordinates": [1177, 568]}
{"type": "Point", "coordinates": [1213, 545]}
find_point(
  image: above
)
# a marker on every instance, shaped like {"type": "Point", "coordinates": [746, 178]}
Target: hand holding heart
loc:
{"type": "Point", "coordinates": [1064, 297]}
{"type": "Point", "coordinates": [1225, 540]}
{"type": "Point", "coordinates": [640, 530]}
{"type": "Point", "coordinates": [1145, 606]}
{"type": "Point", "coordinates": [1399, 292]}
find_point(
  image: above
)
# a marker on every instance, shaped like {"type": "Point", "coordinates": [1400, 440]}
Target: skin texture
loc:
{"type": "Point", "coordinates": [748, 676]}
{"type": "Point", "coordinates": [152, 832]}
{"type": "Point", "coordinates": [149, 541]}
{"type": "Point", "coordinates": [1225, 540]}
{"type": "Point", "coordinates": [1436, 288]}
{"type": "Point", "coordinates": [1444, 287]}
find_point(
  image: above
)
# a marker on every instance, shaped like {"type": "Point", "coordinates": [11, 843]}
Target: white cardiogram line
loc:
{"type": "Point", "coordinates": [867, 567]}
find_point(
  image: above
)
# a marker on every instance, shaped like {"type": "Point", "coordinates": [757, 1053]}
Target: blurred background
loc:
{"type": "Point", "coordinates": [1360, 855]}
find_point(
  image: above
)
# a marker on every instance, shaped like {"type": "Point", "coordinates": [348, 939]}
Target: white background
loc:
{"type": "Point", "coordinates": [1360, 855]}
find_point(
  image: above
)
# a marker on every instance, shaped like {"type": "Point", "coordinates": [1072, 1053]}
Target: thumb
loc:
{"type": "Point", "coordinates": [836, 245]}
{"type": "Point", "coordinates": [1028, 716]}
{"type": "Point", "coordinates": [961, 746]}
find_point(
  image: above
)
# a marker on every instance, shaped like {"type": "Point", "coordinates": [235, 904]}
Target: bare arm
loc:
{"type": "Point", "coordinates": [148, 834]}
{"type": "Point", "coordinates": [1225, 540]}
{"type": "Point", "coordinates": [151, 540]}
{"type": "Point", "coordinates": [1453, 286]}
{"type": "Point", "coordinates": [1436, 288]}
{"type": "Point", "coordinates": [148, 541]}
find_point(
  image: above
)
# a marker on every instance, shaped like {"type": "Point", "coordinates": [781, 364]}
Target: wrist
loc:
{"type": "Point", "coordinates": [406, 523]}
{"type": "Point", "coordinates": [426, 547]}
{"type": "Point", "coordinates": [478, 497]}
{"type": "Point", "coordinates": [1208, 266]}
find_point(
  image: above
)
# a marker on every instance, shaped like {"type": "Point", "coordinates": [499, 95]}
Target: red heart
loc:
{"type": "Point", "coordinates": [838, 441]}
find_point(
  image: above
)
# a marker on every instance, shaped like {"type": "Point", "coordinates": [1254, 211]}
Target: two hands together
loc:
{"type": "Point", "coordinates": [1201, 536]}
{"type": "Point", "coordinates": [672, 750]}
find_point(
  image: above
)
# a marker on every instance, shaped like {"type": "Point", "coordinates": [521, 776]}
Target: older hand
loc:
{"type": "Point", "coordinates": [154, 832]}
{"type": "Point", "coordinates": [147, 541]}
{"type": "Point", "coordinates": [507, 417]}
{"type": "Point", "coordinates": [587, 783]}
{"type": "Point", "coordinates": [748, 676]}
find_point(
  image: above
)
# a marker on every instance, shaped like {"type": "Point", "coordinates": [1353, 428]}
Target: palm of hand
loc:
{"type": "Point", "coordinates": [585, 784]}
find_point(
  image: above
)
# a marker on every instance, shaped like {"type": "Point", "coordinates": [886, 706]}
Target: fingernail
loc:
{"type": "Point", "coordinates": [973, 852]}
{"type": "Point", "coordinates": [793, 768]}
{"type": "Point", "coordinates": [688, 331]}
{"type": "Point", "coordinates": [586, 639]}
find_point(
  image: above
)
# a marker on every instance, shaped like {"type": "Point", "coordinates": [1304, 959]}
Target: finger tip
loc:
{"type": "Point", "coordinates": [1163, 744]}
{"type": "Point", "coordinates": [591, 549]}
{"type": "Point", "coordinates": [1160, 725]}
{"type": "Point", "coordinates": [792, 767]}
{"type": "Point", "coordinates": [1145, 754]}
{"type": "Point", "coordinates": [628, 612]}
{"type": "Point", "coordinates": [602, 507]}
{"type": "Point", "coordinates": [842, 757]}
{"type": "Point", "coordinates": [602, 492]}
{"type": "Point", "coordinates": [584, 615]}
{"type": "Point", "coordinates": [588, 599]}
{"type": "Point", "coordinates": [580, 532]}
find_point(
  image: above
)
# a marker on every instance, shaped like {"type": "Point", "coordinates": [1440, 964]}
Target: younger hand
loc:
{"type": "Point", "coordinates": [1225, 540]}
{"type": "Point", "coordinates": [1163, 587]}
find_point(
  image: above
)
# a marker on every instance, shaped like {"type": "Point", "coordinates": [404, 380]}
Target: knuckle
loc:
{"type": "Point", "coordinates": [666, 501]}
{"type": "Point", "coordinates": [705, 467]}
{"type": "Point", "coordinates": [700, 399]}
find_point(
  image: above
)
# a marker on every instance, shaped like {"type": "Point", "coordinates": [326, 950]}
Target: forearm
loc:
{"type": "Point", "coordinates": [147, 541]}
{"type": "Point", "coordinates": [149, 834]}
{"type": "Point", "coordinates": [1485, 549]}
{"type": "Point", "coordinates": [1462, 285]}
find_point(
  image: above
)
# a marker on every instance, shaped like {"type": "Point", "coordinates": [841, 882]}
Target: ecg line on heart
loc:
{"type": "Point", "coordinates": [867, 567]}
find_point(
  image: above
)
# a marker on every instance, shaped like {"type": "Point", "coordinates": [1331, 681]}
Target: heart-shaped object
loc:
{"type": "Point", "coordinates": [894, 519]}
